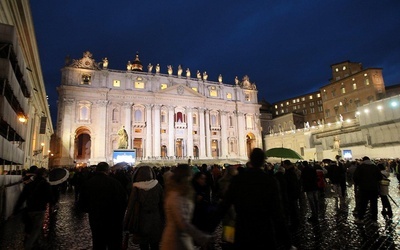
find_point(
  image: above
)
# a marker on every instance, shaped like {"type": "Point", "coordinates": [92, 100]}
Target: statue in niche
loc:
{"type": "Point", "coordinates": [179, 70]}
{"type": "Point", "coordinates": [149, 67]}
{"type": "Point", "coordinates": [169, 69]}
{"type": "Point", "coordinates": [220, 78]}
{"type": "Point", "coordinates": [198, 74]}
{"type": "Point", "coordinates": [123, 138]}
{"type": "Point", "coordinates": [105, 63]}
{"type": "Point", "coordinates": [205, 76]}
{"type": "Point", "coordinates": [188, 73]}
{"type": "Point", "coordinates": [336, 143]}
{"type": "Point", "coordinates": [158, 68]}
{"type": "Point", "coordinates": [236, 80]}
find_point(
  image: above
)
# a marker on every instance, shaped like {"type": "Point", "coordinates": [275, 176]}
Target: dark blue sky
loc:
{"type": "Point", "coordinates": [285, 47]}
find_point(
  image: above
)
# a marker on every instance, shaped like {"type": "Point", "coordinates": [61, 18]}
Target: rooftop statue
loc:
{"type": "Point", "coordinates": [205, 76]}
{"type": "Point", "coordinates": [105, 63]}
{"type": "Point", "coordinates": [179, 70]}
{"type": "Point", "coordinates": [158, 68]}
{"type": "Point", "coordinates": [149, 68]}
{"type": "Point", "coordinates": [188, 73]}
{"type": "Point", "coordinates": [236, 80]}
{"type": "Point", "coordinates": [169, 69]}
{"type": "Point", "coordinates": [220, 78]}
{"type": "Point", "coordinates": [198, 74]}
{"type": "Point", "coordinates": [129, 65]}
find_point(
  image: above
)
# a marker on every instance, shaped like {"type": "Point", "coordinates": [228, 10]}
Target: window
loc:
{"type": "Point", "coordinates": [194, 119]}
{"type": "Point", "coordinates": [294, 107]}
{"type": "Point", "coordinates": [276, 106]}
{"type": "Point", "coordinates": [320, 108]}
{"type": "Point", "coordinates": [139, 85]}
{"type": "Point", "coordinates": [86, 79]}
{"type": "Point", "coordinates": [304, 111]}
{"type": "Point", "coordinates": [318, 95]}
{"type": "Point", "coordinates": [117, 83]}
{"type": "Point", "coordinates": [294, 101]}
{"type": "Point", "coordinates": [213, 120]}
{"type": "Point", "coordinates": [311, 97]}
{"type": "Point", "coordinates": [311, 104]}
{"type": "Point", "coordinates": [327, 113]}
{"type": "Point", "coordinates": [319, 102]}
{"type": "Point", "coordinates": [138, 115]}
{"type": "Point", "coordinates": [163, 117]}
{"type": "Point", "coordinates": [303, 99]}
{"type": "Point", "coordinates": [343, 90]}
{"type": "Point", "coordinates": [213, 92]}
{"type": "Point", "coordinates": [163, 131]}
{"type": "Point", "coordinates": [84, 113]}
{"type": "Point", "coordinates": [366, 81]}
{"type": "Point", "coordinates": [229, 96]}
{"type": "Point", "coordinates": [115, 115]}
{"type": "Point", "coordinates": [344, 67]}
{"type": "Point", "coordinates": [281, 104]}
{"type": "Point", "coordinates": [333, 93]}
{"type": "Point", "coordinates": [164, 85]}
{"type": "Point", "coordinates": [354, 86]}
{"type": "Point", "coordinates": [231, 121]}
{"type": "Point", "coordinates": [312, 110]}
{"type": "Point", "coordinates": [297, 100]}
{"type": "Point", "coordinates": [249, 121]}
{"type": "Point", "coordinates": [247, 97]}
{"type": "Point", "coordinates": [304, 105]}
{"type": "Point", "coordinates": [337, 70]}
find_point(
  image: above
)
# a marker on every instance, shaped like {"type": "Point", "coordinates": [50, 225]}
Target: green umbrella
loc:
{"type": "Point", "coordinates": [286, 153]}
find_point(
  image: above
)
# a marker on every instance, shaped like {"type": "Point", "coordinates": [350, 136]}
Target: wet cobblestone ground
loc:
{"type": "Point", "coordinates": [69, 229]}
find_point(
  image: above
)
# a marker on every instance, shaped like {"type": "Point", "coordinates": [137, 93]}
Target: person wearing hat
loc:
{"type": "Point", "coordinates": [367, 177]}
{"type": "Point", "coordinates": [104, 199]}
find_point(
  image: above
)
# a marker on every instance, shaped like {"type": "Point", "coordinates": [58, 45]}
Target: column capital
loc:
{"type": "Point", "coordinates": [127, 105]}
{"type": "Point", "coordinates": [102, 103]}
{"type": "Point", "coordinates": [69, 101]}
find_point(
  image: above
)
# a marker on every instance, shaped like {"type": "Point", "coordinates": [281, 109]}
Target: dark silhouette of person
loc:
{"type": "Point", "coordinates": [104, 198]}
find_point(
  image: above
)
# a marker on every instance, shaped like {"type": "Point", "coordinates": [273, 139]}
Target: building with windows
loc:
{"type": "Point", "coordinates": [25, 124]}
{"type": "Point", "coordinates": [167, 117]}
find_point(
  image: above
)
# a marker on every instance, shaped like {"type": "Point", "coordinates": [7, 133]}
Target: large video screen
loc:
{"type": "Point", "coordinates": [128, 156]}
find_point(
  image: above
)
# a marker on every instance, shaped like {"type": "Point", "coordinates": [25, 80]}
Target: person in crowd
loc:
{"type": "Point", "coordinates": [202, 201]}
{"type": "Point", "coordinates": [343, 184]}
{"type": "Point", "coordinates": [37, 194]}
{"type": "Point", "coordinates": [337, 176]}
{"type": "Point", "coordinates": [179, 231]}
{"type": "Point", "coordinates": [387, 212]}
{"type": "Point", "coordinates": [367, 177]}
{"type": "Point", "coordinates": [104, 198]}
{"type": "Point", "coordinates": [260, 222]}
{"type": "Point", "coordinates": [149, 219]}
{"type": "Point", "coordinates": [292, 191]}
{"type": "Point", "coordinates": [321, 181]}
{"type": "Point", "coordinates": [310, 187]}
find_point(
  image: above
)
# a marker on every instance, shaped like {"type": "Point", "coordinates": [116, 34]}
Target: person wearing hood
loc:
{"type": "Point", "coordinates": [148, 222]}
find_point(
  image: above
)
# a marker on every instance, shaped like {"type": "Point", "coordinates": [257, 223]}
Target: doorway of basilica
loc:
{"type": "Point", "coordinates": [250, 143]}
{"type": "Point", "coordinates": [163, 151]}
{"type": "Point", "coordinates": [214, 148]}
{"type": "Point", "coordinates": [82, 146]}
{"type": "Point", "coordinates": [195, 152]}
{"type": "Point", "coordinates": [179, 148]}
{"type": "Point", "coordinates": [138, 146]}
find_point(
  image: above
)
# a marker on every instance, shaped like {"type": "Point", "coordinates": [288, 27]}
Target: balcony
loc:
{"type": "Point", "coordinates": [138, 124]}
{"type": "Point", "coordinates": [180, 125]}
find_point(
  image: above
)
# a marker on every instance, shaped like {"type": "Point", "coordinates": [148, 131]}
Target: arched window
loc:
{"type": "Point", "coordinates": [163, 117]}
{"type": "Point", "coordinates": [179, 117]}
{"type": "Point", "coordinates": [213, 120]}
{"type": "Point", "coordinates": [115, 115]}
{"type": "Point", "coordinates": [249, 121]}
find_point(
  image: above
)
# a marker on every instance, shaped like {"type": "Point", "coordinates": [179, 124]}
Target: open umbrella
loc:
{"type": "Point", "coordinates": [286, 153]}
{"type": "Point", "coordinates": [58, 176]}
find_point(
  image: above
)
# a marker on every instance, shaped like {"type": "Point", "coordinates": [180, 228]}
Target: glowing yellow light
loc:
{"type": "Point", "coordinates": [42, 144]}
{"type": "Point", "coordinates": [22, 119]}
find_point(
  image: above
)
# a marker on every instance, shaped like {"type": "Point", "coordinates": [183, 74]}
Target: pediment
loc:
{"type": "Point", "coordinates": [180, 90]}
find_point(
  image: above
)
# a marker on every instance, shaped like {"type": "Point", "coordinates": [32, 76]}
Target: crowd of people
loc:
{"type": "Point", "coordinates": [256, 206]}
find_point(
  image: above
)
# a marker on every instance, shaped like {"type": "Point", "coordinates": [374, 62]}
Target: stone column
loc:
{"type": "Point", "coordinates": [100, 151]}
{"type": "Point", "coordinates": [202, 135]}
{"type": "Point", "coordinates": [149, 137]}
{"type": "Point", "coordinates": [189, 145]}
{"type": "Point", "coordinates": [157, 131]}
{"type": "Point", "coordinates": [224, 137]}
{"type": "Point", "coordinates": [171, 134]}
{"type": "Point", "coordinates": [241, 134]}
{"type": "Point", "coordinates": [128, 122]}
{"type": "Point", "coordinates": [208, 134]}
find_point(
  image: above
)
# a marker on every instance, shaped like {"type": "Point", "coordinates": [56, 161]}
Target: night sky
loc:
{"type": "Point", "coordinates": [285, 47]}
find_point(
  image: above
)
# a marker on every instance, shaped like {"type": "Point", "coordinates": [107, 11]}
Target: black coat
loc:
{"type": "Point", "coordinates": [367, 177]}
{"type": "Point", "coordinates": [260, 221]}
{"type": "Point", "coordinates": [104, 198]}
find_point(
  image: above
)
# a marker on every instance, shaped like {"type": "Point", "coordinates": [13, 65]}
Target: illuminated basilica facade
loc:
{"type": "Point", "coordinates": [168, 117]}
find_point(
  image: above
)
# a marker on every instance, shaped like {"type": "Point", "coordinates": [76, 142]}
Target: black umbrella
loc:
{"type": "Point", "coordinates": [58, 176]}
